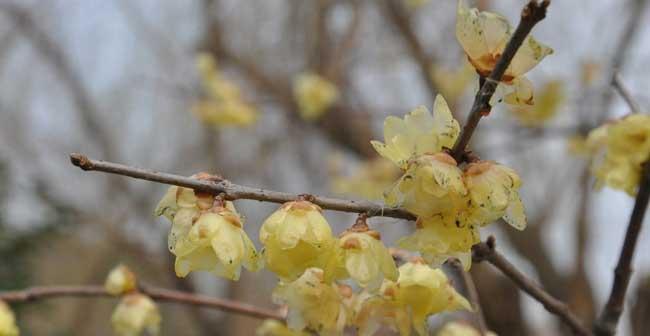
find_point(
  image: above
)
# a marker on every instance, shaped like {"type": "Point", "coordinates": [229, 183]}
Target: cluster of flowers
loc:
{"type": "Point", "coordinates": [452, 202]}
{"type": "Point", "coordinates": [222, 103]}
{"type": "Point", "coordinates": [314, 95]}
{"type": "Point", "coordinates": [310, 261]}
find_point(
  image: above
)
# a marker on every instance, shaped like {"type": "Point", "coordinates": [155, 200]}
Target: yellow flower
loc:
{"type": "Point", "coordinates": [313, 303]}
{"type": "Point", "coordinates": [418, 133]}
{"type": "Point", "coordinates": [437, 241]}
{"type": "Point", "coordinates": [277, 328]}
{"type": "Point", "coordinates": [7, 321]}
{"type": "Point", "coordinates": [120, 280]}
{"type": "Point", "coordinates": [494, 193]}
{"type": "Point", "coordinates": [372, 311]}
{"type": "Point", "coordinates": [222, 104]}
{"type": "Point", "coordinates": [217, 243]}
{"type": "Point", "coordinates": [460, 329]}
{"type": "Point", "coordinates": [626, 146]}
{"type": "Point", "coordinates": [135, 314]}
{"type": "Point", "coordinates": [367, 260]}
{"type": "Point", "coordinates": [547, 103]}
{"type": "Point", "coordinates": [369, 181]}
{"type": "Point", "coordinates": [484, 36]}
{"type": "Point", "coordinates": [432, 185]}
{"type": "Point", "coordinates": [314, 95]}
{"type": "Point", "coordinates": [452, 83]}
{"type": "Point", "coordinates": [424, 291]}
{"type": "Point", "coordinates": [295, 238]}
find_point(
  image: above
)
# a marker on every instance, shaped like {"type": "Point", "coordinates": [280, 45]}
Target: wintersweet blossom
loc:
{"type": "Point", "coordinates": [120, 280]}
{"type": "Point", "coordinates": [419, 292]}
{"type": "Point", "coordinates": [313, 303]}
{"type": "Point", "coordinates": [494, 193]}
{"type": "Point", "coordinates": [295, 238]}
{"type": "Point", "coordinates": [367, 260]}
{"type": "Point", "coordinates": [547, 103]}
{"type": "Point", "coordinates": [437, 241]}
{"type": "Point", "coordinates": [418, 133]}
{"type": "Point", "coordinates": [314, 95]}
{"type": "Point", "coordinates": [222, 104]}
{"type": "Point", "coordinates": [8, 325]}
{"type": "Point", "coordinates": [484, 36]}
{"type": "Point", "coordinates": [216, 242]}
{"type": "Point", "coordinates": [431, 185]}
{"type": "Point", "coordinates": [135, 314]}
{"type": "Point", "coordinates": [621, 147]}
{"type": "Point", "coordinates": [460, 329]}
{"type": "Point", "coordinates": [277, 328]}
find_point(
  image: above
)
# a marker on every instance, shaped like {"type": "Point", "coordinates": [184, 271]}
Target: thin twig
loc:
{"type": "Point", "coordinates": [625, 93]}
{"type": "Point", "coordinates": [608, 320]}
{"type": "Point", "coordinates": [486, 251]}
{"type": "Point", "coordinates": [533, 13]}
{"type": "Point", "coordinates": [235, 191]}
{"type": "Point", "coordinates": [470, 290]}
{"type": "Point", "coordinates": [159, 294]}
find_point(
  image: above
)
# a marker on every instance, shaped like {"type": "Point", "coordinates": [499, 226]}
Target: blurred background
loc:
{"type": "Point", "coordinates": [117, 80]}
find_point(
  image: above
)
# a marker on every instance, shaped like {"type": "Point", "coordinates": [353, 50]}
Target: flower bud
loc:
{"type": "Point", "coordinates": [135, 314]}
{"type": "Point", "coordinates": [120, 280]}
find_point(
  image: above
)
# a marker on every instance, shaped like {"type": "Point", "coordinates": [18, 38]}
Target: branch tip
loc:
{"type": "Point", "coordinates": [81, 161]}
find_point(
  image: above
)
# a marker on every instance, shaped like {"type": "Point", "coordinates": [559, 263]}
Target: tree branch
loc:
{"type": "Point", "coordinates": [486, 251]}
{"type": "Point", "coordinates": [235, 191]}
{"type": "Point", "coordinates": [472, 294]}
{"type": "Point", "coordinates": [533, 13]}
{"type": "Point", "coordinates": [158, 294]}
{"type": "Point", "coordinates": [618, 84]}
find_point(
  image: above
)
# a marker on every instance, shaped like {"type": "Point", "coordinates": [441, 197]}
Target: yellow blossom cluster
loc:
{"type": "Point", "coordinates": [451, 202]}
{"type": "Point", "coordinates": [314, 95]}
{"type": "Point", "coordinates": [7, 321]}
{"type": "Point", "coordinates": [484, 36]}
{"type": "Point", "coordinates": [222, 103]}
{"type": "Point", "coordinates": [207, 234]}
{"type": "Point", "coordinates": [620, 149]}
{"type": "Point", "coordinates": [547, 103]}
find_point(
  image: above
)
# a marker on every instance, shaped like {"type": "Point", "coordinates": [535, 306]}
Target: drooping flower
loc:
{"type": "Point", "coordinates": [367, 260]}
{"type": "Point", "coordinates": [455, 328]}
{"type": "Point", "coordinates": [369, 181]}
{"type": "Point", "coordinates": [624, 145]}
{"type": "Point", "coordinates": [222, 104]}
{"type": "Point", "coordinates": [419, 292]}
{"type": "Point", "coordinates": [494, 193]}
{"type": "Point", "coordinates": [418, 133]}
{"type": "Point", "coordinates": [313, 303]}
{"type": "Point", "coordinates": [216, 242]}
{"type": "Point", "coordinates": [547, 103]}
{"type": "Point", "coordinates": [276, 328]}
{"type": "Point", "coordinates": [295, 238]}
{"type": "Point", "coordinates": [8, 325]}
{"type": "Point", "coordinates": [484, 36]}
{"type": "Point", "coordinates": [432, 185]}
{"type": "Point", "coordinates": [135, 314]}
{"type": "Point", "coordinates": [424, 291]}
{"type": "Point", "coordinates": [439, 240]}
{"type": "Point", "coordinates": [314, 95]}
{"type": "Point", "coordinates": [207, 233]}
{"type": "Point", "coordinates": [120, 280]}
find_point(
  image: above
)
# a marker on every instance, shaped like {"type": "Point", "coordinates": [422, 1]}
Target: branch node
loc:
{"type": "Point", "coordinates": [81, 161]}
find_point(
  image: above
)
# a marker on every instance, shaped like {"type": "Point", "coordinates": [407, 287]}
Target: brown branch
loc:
{"type": "Point", "coordinates": [625, 93]}
{"type": "Point", "coordinates": [159, 294]}
{"type": "Point", "coordinates": [235, 191]}
{"type": "Point", "coordinates": [533, 13]}
{"type": "Point", "coordinates": [485, 251]}
{"type": "Point", "coordinates": [608, 320]}
{"type": "Point", "coordinates": [469, 288]}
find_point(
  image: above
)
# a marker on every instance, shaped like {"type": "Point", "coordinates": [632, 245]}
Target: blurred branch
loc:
{"type": "Point", "coordinates": [234, 191]}
{"type": "Point", "coordinates": [608, 320]}
{"type": "Point", "coordinates": [625, 93]}
{"type": "Point", "coordinates": [400, 18]}
{"type": "Point", "coordinates": [485, 251]}
{"type": "Point", "coordinates": [532, 13]}
{"type": "Point", "coordinates": [337, 61]}
{"type": "Point", "coordinates": [159, 294]}
{"type": "Point", "coordinates": [469, 289]}
{"type": "Point", "coordinates": [641, 308]}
